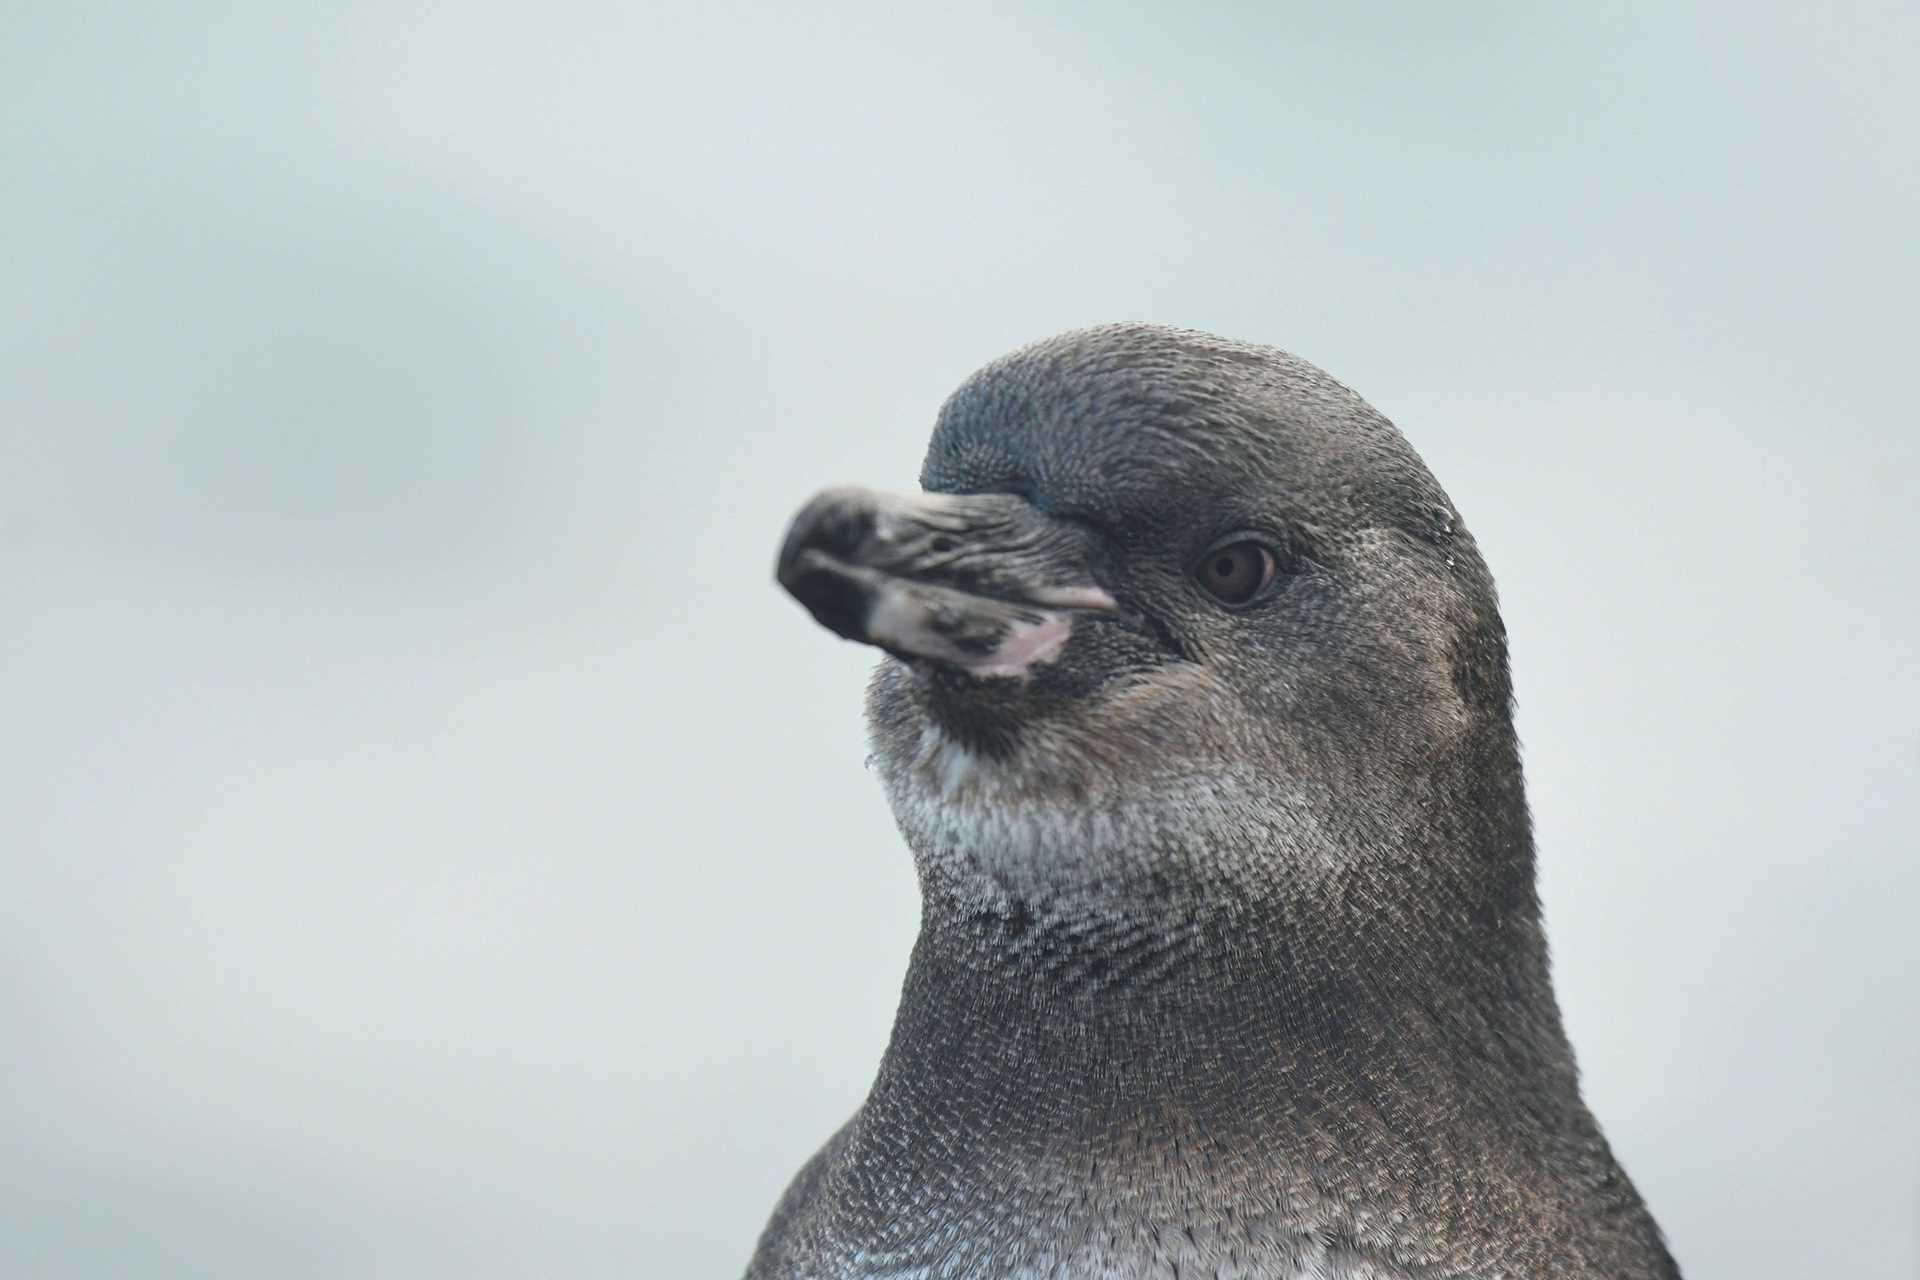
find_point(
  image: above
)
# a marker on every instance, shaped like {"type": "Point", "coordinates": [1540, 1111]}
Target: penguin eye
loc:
{"type": "Point", "coordinates": [1236, 572]}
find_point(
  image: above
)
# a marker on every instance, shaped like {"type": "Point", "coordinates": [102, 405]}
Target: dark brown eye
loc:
{"type": "Point", "coordinates": [1236, 572]}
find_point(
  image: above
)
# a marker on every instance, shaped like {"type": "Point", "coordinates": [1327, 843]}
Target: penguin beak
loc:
{"type": "Point", "coordinates": [984, 583]}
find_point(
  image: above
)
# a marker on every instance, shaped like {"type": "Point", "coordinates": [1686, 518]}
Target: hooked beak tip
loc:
{"type": "Point", "coordinates": [960, 581]}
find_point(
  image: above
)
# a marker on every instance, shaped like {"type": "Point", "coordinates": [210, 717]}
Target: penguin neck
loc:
{"type": "Point", "coordinates": [1053, 1022]}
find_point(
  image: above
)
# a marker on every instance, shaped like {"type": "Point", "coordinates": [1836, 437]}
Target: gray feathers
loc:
{"type": "Point", "coordinates": [1230, 960]}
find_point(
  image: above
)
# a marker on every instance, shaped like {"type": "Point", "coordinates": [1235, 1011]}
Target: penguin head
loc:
{"type": "Point", "coordinates": [1168, 607]}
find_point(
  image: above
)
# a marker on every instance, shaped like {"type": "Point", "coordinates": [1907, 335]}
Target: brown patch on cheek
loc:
{"type": "Point", "coordinates": [1479, 671]}
{"type": "Point", "coordinates": [1461, 669]}
{"type": "Point", "coordinates": [1179, 713]}
{"type": "Point", "coordinates": [1430, 691]}
{"type": "Point", "coordinates": [1415, 628]}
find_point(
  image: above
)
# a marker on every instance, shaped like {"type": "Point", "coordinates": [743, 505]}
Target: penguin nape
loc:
{"type": "Point", "coordinates": [1197, 718]}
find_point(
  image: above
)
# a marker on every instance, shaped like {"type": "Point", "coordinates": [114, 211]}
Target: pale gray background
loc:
{"type": "Point", "coordinates": [431, 846]}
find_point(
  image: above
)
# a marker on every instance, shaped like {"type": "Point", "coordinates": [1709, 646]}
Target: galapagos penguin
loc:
{"type": "Point", "coordinates": [1196, 715]}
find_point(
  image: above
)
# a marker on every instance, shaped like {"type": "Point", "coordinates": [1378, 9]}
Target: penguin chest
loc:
{"type": "Point", "coordinates": [1110, 1236]}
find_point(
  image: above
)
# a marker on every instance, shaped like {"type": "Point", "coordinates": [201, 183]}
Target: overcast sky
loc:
{"type": "Point", "coordinates": [431, 846]}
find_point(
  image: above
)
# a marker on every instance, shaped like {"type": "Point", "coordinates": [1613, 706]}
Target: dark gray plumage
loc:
{"type": "Point", "coordinates": [1230, 959]}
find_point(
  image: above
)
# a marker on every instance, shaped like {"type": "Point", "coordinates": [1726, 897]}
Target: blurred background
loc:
{"type": "Point", "coordinates": [431, 846]}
